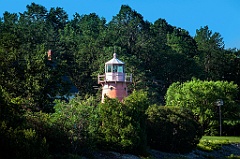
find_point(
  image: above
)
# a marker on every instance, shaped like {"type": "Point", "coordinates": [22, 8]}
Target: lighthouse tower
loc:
{"type": "Point", "coordinates": [114, 82]}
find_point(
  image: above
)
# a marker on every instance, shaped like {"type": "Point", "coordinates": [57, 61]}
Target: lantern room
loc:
{"type": "Point", "coordinates": [114, 70]}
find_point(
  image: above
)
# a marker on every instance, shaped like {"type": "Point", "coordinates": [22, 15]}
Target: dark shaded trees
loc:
{"type": "Point", "coordinates": [126, 30]}
{"type": "Point", "coordinates": [122, 125]}
{"type": "Point", "coordinates": [172, 129]}
{"type": "Point", "coordinates": [26, 72]}
{"type": "Point", "coordinates": [82, 43]}
{"type": "Point", "coordinates": [157, 54]}
{"type": "Point", "coordinates": [211, 53]}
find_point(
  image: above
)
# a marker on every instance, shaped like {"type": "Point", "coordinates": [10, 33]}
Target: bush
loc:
{"type": "Point", "coordinates": [67, 130]}
{"type": "Point", "coordinates": [231, 128]}
{"type": "Point", "coordinates": [172, 129]}
{"type": "Point", "coordinates": [21, 143]}
{"type": "Point", "coordinates": [122, 125]}
{"type": "Point", "coordinates": [200, 97]}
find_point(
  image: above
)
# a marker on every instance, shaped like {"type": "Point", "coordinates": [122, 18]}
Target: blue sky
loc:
{"type": "Point", "coordinates": [221, 16]}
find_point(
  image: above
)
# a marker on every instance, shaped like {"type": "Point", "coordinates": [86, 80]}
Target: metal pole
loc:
{"type": "Point", "coordinates": [220, 121]}
{"type": "Point", "coordinates": [219, 103]}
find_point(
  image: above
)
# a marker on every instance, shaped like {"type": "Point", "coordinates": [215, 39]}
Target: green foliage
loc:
{"type": "Point", "coordinates": [222, 139]}
{"type": "Point", "coordinates": [233, 157]}
{"type": "Point", "coordinates": [210, 143]}
{"type": "Point", "coordinates": [29, 82]}
{"type": "Point", "coordinates": [85, 42]}
{"type": "Point", "coordinates": [211, 54]}
{"type": "Point", "coordinates": [70, 129]}
{"type": "Point", "coordinates": [180, 41]}
{"type": "Point", "coordinates": [207, 145]}
{"type": "Point", "coordinates": [172, 129]}
{"type": "Point", "coordinates": [81, 48]}
{"type": "Point", "coordinates": [200, 97]}
{"type": "Point", "coordinates": [231, 127]}
{"type": "Point", "coordinates": [123, 124]}
{"type": "Point", "coordinates": [23, 143]}
{"type": "Point", "coordinates": [25, 71]}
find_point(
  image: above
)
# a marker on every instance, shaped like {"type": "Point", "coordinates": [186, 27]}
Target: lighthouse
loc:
{"type": "Point", "coordinates": [115, 81]}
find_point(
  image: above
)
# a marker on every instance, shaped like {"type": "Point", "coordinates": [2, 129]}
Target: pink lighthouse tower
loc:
{"type": "Point", "coordinates": [114, 82]}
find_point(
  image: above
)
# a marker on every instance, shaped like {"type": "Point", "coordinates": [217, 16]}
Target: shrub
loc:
{"type": "Point", "coordinates": [200, 97]}
{"type": "Point", "coordinates": [22, 143]}
{"type": "Point", "coordinates": [67, 130]}
{"type": "Point", "coordinates": [122, 126]}
{"type": "Point", "coordinates": [172, 129]}
{"type": "Point", "coordinates": [231, 128]}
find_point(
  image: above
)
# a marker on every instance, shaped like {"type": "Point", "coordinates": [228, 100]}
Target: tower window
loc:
{"type": "Point", "coordinates": [109, 68]}
{"type": "Point", "coordinates": [114, 68]}
{"type": "Point", "coordinates": [120, 68]}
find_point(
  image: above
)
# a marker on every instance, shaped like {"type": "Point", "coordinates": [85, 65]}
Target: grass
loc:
{"type": "Point", "coordinates": [210, 143]}
{"type": "Point", "coordinates": [231, 139]}
{"type": "Point", "coordinates": [233, 157]}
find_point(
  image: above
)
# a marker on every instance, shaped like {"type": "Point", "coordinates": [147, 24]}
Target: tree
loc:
{"type": "Point", "coordinates": [123, 125]}
{"type": "Point", "coordinates": [32, 26]}
{"type": "Point", "coordinates": [9, 35]}
{"type": "Point", "coordinates": [172, 129]}
{"type": "Point", "coordinates": [70, 129]}
{"type": "Point", "coordinates": [57, 18]}
{"type": "Point", "coordinates": [81, 49]}
{"type": "Point", "coordinates": [200, 97]}
{"type": "Point", "coordinates": [180, 41]}
{"type": "Point", "coordinates": [210, 47]}
{"type": "Point", "coordinates": [74, 120]}
{"type": "Point", "coordinates": [128, 31]}
{"type": "Point", "coordinates": [27, 74]}
{"type": "Point", "coordinates": [161, 29]}
{"type": "Point", "coordinates": [231, 68]}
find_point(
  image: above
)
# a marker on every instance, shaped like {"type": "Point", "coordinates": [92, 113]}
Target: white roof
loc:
{"type": "Point", "coordinates": [114, 60]}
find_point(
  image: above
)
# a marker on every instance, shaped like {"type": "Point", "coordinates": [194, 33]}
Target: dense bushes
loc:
{"type": "Point", "coordinates": [122, 125]}
{"type": "Point", "coordinates": [21, 143]}
{"type": "Point", "coordinates": [172, 129]}
{"type": "Point", "coordinates": [83, 124]}
{"type": "Point", "coordinates": [68, 130]}
{"type": "Point", "coordinates": [132, 125]}
{"type": "Point", "coordinates": [17, 140]}
{"type": "Point", "coordinates": [30, 82]}
{"type": "Point", "coordinates": [231, 128]}
{"type": "Point", "coordinates": [200, 97]}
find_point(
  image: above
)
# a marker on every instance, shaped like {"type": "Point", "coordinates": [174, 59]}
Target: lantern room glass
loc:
{"type": "Point", "coordinates": [114, 68]}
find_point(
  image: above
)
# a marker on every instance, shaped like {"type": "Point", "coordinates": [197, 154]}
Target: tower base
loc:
{"type": "Point", "coordinates": [114, 90]}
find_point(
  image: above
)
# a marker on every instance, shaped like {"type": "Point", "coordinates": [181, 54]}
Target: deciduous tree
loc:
{"type": "Point", "coordinates": [200, 97]}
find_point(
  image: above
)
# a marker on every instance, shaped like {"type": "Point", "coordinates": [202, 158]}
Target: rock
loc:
{"type": "Point", "coordinates": [226, 150]}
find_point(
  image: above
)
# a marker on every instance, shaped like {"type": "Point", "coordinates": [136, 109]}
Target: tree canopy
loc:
{"type": "Point", "coordinates": [200, 97]}
{"type": "Point", "coordinates": [157, 54]}
{"type": "Point", "coordinates": [34, 88]}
